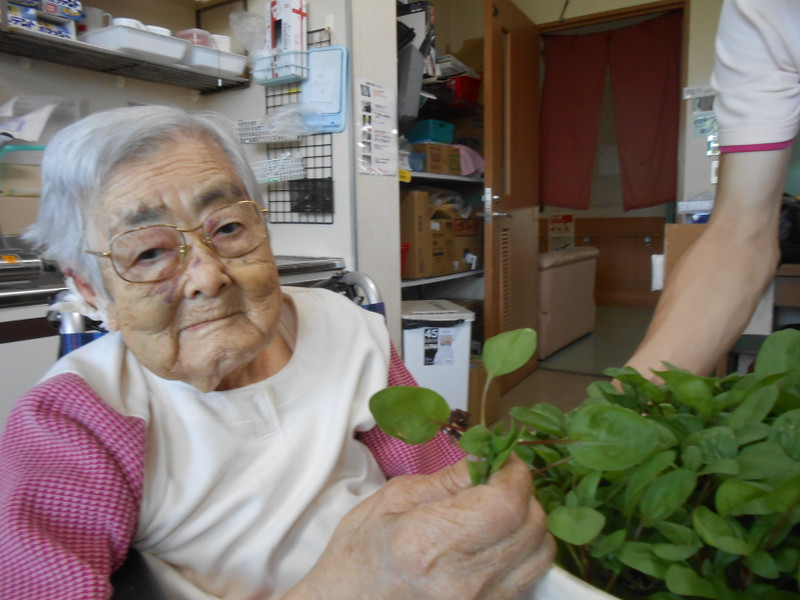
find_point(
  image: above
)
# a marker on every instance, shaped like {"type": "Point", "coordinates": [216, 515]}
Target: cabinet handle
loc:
{"type": "Point", "coordinates": [495, 213]}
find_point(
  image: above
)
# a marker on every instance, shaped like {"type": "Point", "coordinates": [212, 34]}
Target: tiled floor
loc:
{"type": "Point", "coordinates": [562, 378]}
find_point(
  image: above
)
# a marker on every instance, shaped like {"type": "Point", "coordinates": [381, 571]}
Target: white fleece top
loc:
{"type": "Point", "coordinates": [756, 74]}
{"type": "Point", "coordinates": [209, 455]}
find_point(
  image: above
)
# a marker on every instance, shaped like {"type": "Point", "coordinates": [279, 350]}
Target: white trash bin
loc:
{"type": "Point", "coordinates": [436, 347]}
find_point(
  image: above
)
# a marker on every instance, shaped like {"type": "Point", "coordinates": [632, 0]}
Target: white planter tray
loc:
{"type": "Point", "coordinates": [557, 584]}
{"type": "Point", "coordinates": [138, 42]}
{"type": "Point", "coordinates": [213, 61]}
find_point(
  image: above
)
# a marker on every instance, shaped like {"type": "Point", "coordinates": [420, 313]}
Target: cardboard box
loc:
{"type": "Point", "coordinates": [286, 37]}
{"type": "Point", "coordinates": [477, 380]}
{"type": "Point", "coordinates": [23, 17]}
{"type": "Point", "coordinates": [66, 9]}
{"type": "Point", "coordinates": [468, 131]}
{"type": "Point", "coordinates": [429, 233]}
{"type": "Point", "coordinates": [467, 243]}
{"type": "Point", "coordinates": [467, 240]}
{"type": "Point", "coordinates": [440, 158]}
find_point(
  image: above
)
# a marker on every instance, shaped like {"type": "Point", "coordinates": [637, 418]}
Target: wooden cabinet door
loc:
{"type": "Point", "coordinates": [511, 199]}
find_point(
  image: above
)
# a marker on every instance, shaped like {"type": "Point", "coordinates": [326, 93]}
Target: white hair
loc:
{"type": "Point", "coordinates": [81, 158]}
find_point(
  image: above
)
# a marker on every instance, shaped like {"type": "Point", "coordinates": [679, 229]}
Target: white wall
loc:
{"type": "Point", "coordinates": [377, 233]}
{"type": "Point", "coordinates": [98, 91]}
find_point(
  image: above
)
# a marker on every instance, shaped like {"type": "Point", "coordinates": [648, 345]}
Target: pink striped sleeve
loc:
{"type": "Point", "coordinates": [70, 490]}
{"type": "Point", "coordinates": [398, 458]}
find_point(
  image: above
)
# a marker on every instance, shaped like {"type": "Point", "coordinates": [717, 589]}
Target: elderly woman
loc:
{"type": "Point", "coordinates": [222, 428]}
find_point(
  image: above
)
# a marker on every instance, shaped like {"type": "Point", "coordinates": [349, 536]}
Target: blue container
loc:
{"type": "Point", "coordinates": [431, 130]}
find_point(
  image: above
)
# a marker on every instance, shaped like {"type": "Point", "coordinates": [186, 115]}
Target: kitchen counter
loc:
{"type": "Point", "coordinates": [293, 270]}
{"type": "Point", "coordinates": [29, 344]}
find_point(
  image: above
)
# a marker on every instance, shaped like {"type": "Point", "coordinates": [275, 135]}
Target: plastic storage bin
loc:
{"type": "Point", "coordinates": [436, 347]}
{"type": "Point", "coordinates": [431, 130]}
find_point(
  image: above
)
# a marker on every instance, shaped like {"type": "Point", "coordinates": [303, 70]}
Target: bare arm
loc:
{"type": "Point", "coordinates": [709, 298]}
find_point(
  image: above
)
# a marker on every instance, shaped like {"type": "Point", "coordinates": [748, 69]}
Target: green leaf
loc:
{"type": "Point", "coordinates": [666, 494]}
{"type": "Point", "coordinates": [639, 556]}
{"type": "Point", "coordinates": [785, 496]}
{"type": "Point", "coordinates": [733, 493]}
{"type": "Point", "coordinates": [718, 532]}
{"type": "Point", "coordinates": [604, 545]}
{"type": "Point", "coordinates": [508, 351]}
{"type": "Point", "coordinates": [548, 454]}
{"type": "Point", "coordinates": [477, 441]}
{"type": "Point", "coordinates": [638, 382]}
{"type": "Point", "coordinates": [787, 559]}
{"type": "Point", "coordinates": [725, 400]}
{"type": "Point", "coordinates": [478, 471]}
{"type": "Point", "coordinates": [642, 475]}
{"type": "Point", "coordinates": [541, 417]}
{"type": "Point", "coordinates": [786, 431]}
{"type": "Point", "coordinates": [764, 461]}
{"type": "Point", "coordinates": [412, 414]}
{"type": "Point", "coordinates": [690, 390]}
{"type": "Point", "coordinates": [714, 443]}
{"type": "Point", "coordinates": [610, 438]}
{"type": "Point", "coordinates": [692, 458]}
{"type": "Point", "coordinates": [685, 582]}
{"type": "Point", "coordinates": [779, 353]}
{"type": "Point", "coordinates": [586, 490]}
{"type": "Point", "coordinates": [577, 526]}
{"type": "Point", "coordinates": [754, 408]}
{"type": "Point", "coordinates": [675, 552]}
{"type": "Point", "coordinates": [678, 534]}
{"type": "Point", "coordinates": [724, 466]}
{"type": "Point", "coordinates": [763, 565]}
{"type": "Point", "coordinates": [747, 434]}
{"type": "Point", "coordinates": [602, 390]}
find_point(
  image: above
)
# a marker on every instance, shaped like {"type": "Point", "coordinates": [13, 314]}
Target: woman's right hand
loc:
{"type": "Point", "coordinates": [436, 536]}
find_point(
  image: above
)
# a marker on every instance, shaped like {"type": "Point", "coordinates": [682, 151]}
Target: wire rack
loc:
{"type": "Point", "coordinates": [283, 168]}
{"type": "Point", "coordinates": [310, 199]}
{"type": "Point", "coordinates": [254, 132]}
{"type": "Point", "coordinates": [285, 67]}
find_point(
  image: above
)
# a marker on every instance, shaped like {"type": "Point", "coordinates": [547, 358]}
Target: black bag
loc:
{"type": "Point", "coordinates": [789, 229]}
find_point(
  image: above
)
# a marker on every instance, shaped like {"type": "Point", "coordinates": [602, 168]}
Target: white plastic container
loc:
{"type": "Point", "coordinates": [436, 347]}
{"type": "Point", "coordinates": [215, 62]}
{"type": "Point", "coordinates": [138, 42]}
{"type": "Point", "coordinates": [558, 584]}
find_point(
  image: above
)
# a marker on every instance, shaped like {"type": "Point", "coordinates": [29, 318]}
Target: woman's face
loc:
{"type": "Point", "coordinates": [212, 324]}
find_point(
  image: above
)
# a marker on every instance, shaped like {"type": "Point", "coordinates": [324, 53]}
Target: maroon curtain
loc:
{"type": "Point", "coordinates": [645, 79]}
{"type": "Point", "coordinates": [644, 63]}
{"type": "Point", "coordinates": [575, 70]}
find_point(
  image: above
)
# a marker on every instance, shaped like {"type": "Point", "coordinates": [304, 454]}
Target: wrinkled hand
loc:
{"type": "Point", "coordinates": [436, 536]}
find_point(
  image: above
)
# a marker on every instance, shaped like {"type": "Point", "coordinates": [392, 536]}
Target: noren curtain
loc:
{"type": "Point", "coordinates": [643, 62]}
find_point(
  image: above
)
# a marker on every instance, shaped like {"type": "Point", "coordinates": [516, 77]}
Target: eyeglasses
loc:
{"type": "Point", "coordinates": [157, 252]}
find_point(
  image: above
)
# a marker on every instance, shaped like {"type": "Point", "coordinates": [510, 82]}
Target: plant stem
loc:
{"type": "Point", "coordinates": [773, 537]}
{"type": "Point", "coordinates": [613, 581]}
{"type": "Point", "coordinates": [551, 465]}
{"type": "Point", "coordinates": [485, 395]}
{"type": "Point", "coordinates": [542, 442]}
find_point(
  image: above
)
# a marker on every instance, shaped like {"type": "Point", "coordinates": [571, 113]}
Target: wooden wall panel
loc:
{"type": "Point", "coordinates": [623, 265]}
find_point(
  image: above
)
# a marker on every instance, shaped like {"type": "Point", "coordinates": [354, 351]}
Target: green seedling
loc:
{"type": "Point", "coordinates": [681, 490]}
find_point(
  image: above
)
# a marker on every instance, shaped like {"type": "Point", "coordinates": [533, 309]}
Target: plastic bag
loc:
{"type": "Point", "coordinates": [250, 29]}
{"type": "Point", "coordinates": [292, 120]}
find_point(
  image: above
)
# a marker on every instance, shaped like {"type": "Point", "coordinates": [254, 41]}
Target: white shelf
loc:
{"type": "Point", "coordinates": [417, 282]}
{"type": "Point", "coordinates": [415, 175]}
{"type": "Point", "coordinates": [75, 53]}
